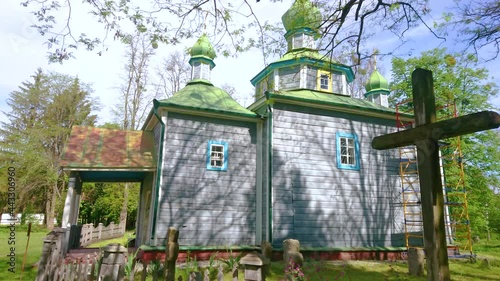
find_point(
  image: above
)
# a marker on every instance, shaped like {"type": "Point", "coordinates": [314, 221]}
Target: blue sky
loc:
{"type": "Point", "coordinates": [22, 52]}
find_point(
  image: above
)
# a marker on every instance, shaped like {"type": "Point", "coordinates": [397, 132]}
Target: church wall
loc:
{"type": "Point", "coordinates": [324, 206]}
{"type": "Point", "coordinates": [208, 207]}
{"type": "Point", "coordinates": [289, 78]}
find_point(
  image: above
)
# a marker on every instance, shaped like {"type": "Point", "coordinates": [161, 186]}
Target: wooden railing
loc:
{"type": "Point", "coordinates": [91, 234]}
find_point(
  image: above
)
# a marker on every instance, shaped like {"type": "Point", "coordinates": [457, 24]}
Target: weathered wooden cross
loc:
{"type": "Point", "coordinates": [425, 136]}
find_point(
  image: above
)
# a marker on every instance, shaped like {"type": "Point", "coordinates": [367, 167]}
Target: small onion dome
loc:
{"type": "Point", "coordinates": [203, 48]}
{"type": "Point", "coordinates": [302, 15]}
{"type": "Point", "coordinates": [377, 82]}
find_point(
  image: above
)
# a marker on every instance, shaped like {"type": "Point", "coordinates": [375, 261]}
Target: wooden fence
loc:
{"type": "Point", "coordinates": [90, 234]}
{"type": "Point", "coordinates": [116, 263]}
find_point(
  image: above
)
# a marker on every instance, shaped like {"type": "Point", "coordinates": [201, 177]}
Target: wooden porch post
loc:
{"type": "Point", "coordinates": [69, 208]}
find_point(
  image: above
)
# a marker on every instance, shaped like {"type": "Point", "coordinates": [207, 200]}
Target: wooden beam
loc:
{"type": "Point", "coordinates": [463, 125]}
{"type": "Point", "coordinates": [431, 189]}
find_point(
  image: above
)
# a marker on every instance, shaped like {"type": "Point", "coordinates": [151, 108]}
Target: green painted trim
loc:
{"type": "Point", "coordinates": [172, 105]}
{"type": "Point", "coordinates": [158, 168]}
{"type": "Point", "coordinates": [204, 59]}
{"type": "Point", "coordinates": [270, 163]}
{"type": "Point", "coordinates": [305, 30]}
{"type": "Point", "coordinates": [359, 109]}
{"type": "Point", "coordinates": [297, 61]}
{"type": "Point", "coordinates": [377, 91]}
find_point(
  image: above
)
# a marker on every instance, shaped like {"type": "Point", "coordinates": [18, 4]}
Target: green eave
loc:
{"type": "Point", "coordinates": [328, 101]}
{"type": "Point", "coordinates": [202, 96]}
{"type": "Point", "coordinates": [307, 56]}
{"type": "Point", "coordinates": [377, 91]}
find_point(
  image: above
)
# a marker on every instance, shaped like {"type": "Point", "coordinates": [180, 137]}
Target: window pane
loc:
{"type": "Point", "coordinates": [217, 156]}
{"type": "Point", "coordinates": [351, 142]}
{"type": "Point", "coordinates": [324, 81]}
{"type": "Point", "coordinates": [343, 159]}
{"type": "Point", "coordinates": [351, 160]}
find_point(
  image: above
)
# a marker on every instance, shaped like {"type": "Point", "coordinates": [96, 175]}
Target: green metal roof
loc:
{"type": "Point", "coordinates": [201, 95]}
{"type": "Point", "coordinates": [316, 97]}
{"type": "Point", "coordinates": [302, 14]}
{"type": "Point", "coordinates": [304, 55]}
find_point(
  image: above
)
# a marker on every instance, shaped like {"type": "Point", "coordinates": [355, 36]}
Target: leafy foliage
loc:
{"type": "Point", "coordinates": [42, 113]}
{"type": "Point", "coordinates": [459, 80]}
{"type": "Point", "coordinates": [233, 25]}
{"type": "Point", "coordinates": [477, 25]}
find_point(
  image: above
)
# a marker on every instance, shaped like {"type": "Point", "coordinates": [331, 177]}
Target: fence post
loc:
{"type": "Point", "coordinates": [172, 251]}
{"type": "Point", "coordinates": [111, 228]}
{"type": "Point", "coordinates": [99, 228]}
{"type": "Point", "coordinates": [48, 246]}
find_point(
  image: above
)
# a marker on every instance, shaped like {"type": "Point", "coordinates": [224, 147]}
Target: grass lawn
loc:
{"type": "Point", "coordinates": [120, 240]}
{"type": "Point", "coordinates": [34, 252]}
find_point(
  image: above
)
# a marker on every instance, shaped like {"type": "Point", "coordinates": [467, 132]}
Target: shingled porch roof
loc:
{"type": "Point", "coordinates": [109, 155]}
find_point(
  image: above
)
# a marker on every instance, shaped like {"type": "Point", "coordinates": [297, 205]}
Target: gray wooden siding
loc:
{"type": "Point", "coordinates": [324, 206]}
{"type": "Point", "coordinates": [289, 78]}
{"type": "Point", "coordinates": [312, 78]}
{"type": "Point", "coordinates": [337, 82]}
{"type": "Point", "coordinates": [208, 207]}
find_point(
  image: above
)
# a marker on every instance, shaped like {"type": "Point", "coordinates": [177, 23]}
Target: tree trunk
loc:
{"type": "Point", "coordinates": [51, 208]}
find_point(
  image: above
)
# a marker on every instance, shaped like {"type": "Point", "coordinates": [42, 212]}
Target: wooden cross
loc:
{"type": "Point", "coordinates": [425, 136]}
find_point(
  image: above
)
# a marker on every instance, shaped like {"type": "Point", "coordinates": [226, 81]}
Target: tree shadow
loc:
{"type": "Point", "coordinates": [210, 208]}
{"type": "Point", "coordinates": [325, 206]}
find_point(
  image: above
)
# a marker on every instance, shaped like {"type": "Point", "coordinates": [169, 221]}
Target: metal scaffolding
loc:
{"type": "Point", "coordinates": [454, 187]}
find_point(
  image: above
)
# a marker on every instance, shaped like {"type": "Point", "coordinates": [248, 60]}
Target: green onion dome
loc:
{"type": "Point", "coordinates": [203, 48]}
{"type": "Point", "coordinates": [377, 82]}
{"type": "Point", "coordinates": [302, 15]}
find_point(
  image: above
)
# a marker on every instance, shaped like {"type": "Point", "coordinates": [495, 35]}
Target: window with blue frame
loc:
{"type": "Point", "coordinates": [217, 156]}
{"type": "Point", "coordinates": [347, 151]}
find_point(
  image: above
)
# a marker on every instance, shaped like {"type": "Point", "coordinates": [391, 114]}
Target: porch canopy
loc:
{"type": "Point", "coordinates": [104, 155]}
{"type": "Point", "coordinates": [108, 155]}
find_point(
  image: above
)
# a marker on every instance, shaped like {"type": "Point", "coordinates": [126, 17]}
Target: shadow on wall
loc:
{"type": "Point", "coordinates": [323, 206]}
{"type": "Point", "coordinates": [208, 207]}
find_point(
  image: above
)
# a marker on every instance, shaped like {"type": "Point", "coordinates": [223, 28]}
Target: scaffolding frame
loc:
{"type": "Point", "coordinates": [453, 180]}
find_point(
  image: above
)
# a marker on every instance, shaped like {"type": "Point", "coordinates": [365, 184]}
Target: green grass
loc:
{"type": "Point", "coordinates": [120, 240]}
{"type": "Point", "coordinates": [34, 252]}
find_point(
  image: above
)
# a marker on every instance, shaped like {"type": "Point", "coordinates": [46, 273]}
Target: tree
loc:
{"type": "Point", "coordinates": [459, 80]}
{"type": "Point", "coordinates": [344, 23]}
{"type": "Point", "coordinates": [133, 103]}
{"type": "Point", "coordinates": [477, 24]}
{"type": "Point", "coordinates": [134, 100]}
{"type": "Point", "coordinates": [43, 111]}
{"type": "Point", "coordinates": [173, 74]}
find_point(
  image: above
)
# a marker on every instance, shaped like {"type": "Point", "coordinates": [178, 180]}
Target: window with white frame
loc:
{"type": "Point", "coordinates": [217, 155]}
{"type": "Point", "coordinates": [347, 151]}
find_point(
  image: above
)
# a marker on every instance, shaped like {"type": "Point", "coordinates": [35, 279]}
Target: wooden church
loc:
{"type": "Point", "coordinates": [297, 163]}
